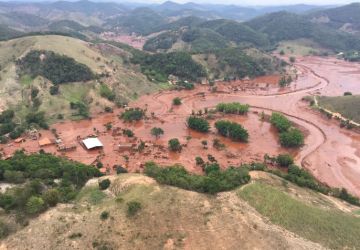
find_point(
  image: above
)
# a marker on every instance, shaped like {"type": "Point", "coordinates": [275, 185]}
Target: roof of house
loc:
{"type": "Point", "coordinates": [45, 141]}
{"type": "Point", "coordinates": [91, 143]}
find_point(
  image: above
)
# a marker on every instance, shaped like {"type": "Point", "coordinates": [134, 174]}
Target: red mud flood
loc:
{"type": "Point", "coordinates": [330, 153]}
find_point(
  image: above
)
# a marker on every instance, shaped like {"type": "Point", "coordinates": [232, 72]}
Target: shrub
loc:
{"type": "Point", "coordinates": [199, 161]}
{"type": "Point", "coordinates": [198, 124]}
{"type": "Point", "coordinates": [104, 215]}
{"type": "Point", "coordinates": [104, 184]}
{"type": "Point", "coordinates": [177, 101]}
{"type": "Point", "coordinates": [128, 132]}
{"type": "Point", "coordinates": [132, 114]}
{"type": "Point", "coordinates": [232, 130]}
{"type": "Point", "coordinates": [216, 181]}
{"type": "Point", "coordinates": [34, 205]}
{"type": "Point", "coordinates": [54, 90]}
{"type": "Point", "coordinates": [133, 207]}
{"type": "Point", "coordinates": [284, 160]}
{"type": "Point", "coordinates": [120, 170]}
{"type": "Point", "coordinates": [232, 108]}
{"type": "Point", "coordinates": [106, 92]}
{"type": "Point", "coordinates": [174, 145]}
{"type": "Point", "coordinates": [3, 139]}
{"type": "Point", "coordinates": [51, 197]}
{"type": "Point", "coordinates": [157, 132]}
{"type": "Point", "coordinates": [347, 93]}
{"type": "Point", "coordinates": [211, 168]}
{"type": "Point", "coordinates": [4, 230]}
{"type": "Point", "coordinates": [292, 138]}
{"type": "Point", "coordinates": [280, 122]}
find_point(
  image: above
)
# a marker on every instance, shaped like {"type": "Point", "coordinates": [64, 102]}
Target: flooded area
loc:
{"type": "Point", "coordinates": [330, 153]}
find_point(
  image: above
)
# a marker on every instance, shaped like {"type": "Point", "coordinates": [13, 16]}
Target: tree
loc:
{"type": "Point", "coordinates": [199, 161]}
{"type": "Point", "coordinates": [132, 114]}
{"type": "Point", "coordinates": [198, 124]}
{"type": "Point", "coordinates": [34, 205]}
{"type": "Point", "coordinates": [157, 132]}
{"type": "Point", "coordinates": [133, 208]}
{"type": "Point", "coordinates": [104, 184]}
{"type": "Point", "coordinates": [204, 143]}
{"type": "Point", "coordinates": [177, 101]}
{"type": "Point", "coordinates": [128, 133]}
{"type": "Point", "coordinates": [280, 122]}
{"type": "Point", "coordinates": [232, 130]}
{"type": "Point", "coordinates": [292, 138]}
{"type": "Point", "coordinates": [284, 160]}
{"type": "Point", "coordinates": [174, 145]}
{"type": "Point", "coordinates": [51, 197]}
{"type": "Point", "coordinates": [292, 59]}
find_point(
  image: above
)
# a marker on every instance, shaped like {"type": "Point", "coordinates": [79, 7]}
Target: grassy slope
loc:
{"type": "Point", "coordinates": [302, 47]}
{"type": "Point", "coordinates": [330, 228]}
{"type": "Point", "coordinates": [126, 81]}
{"type": "Point", "coordinates": [184, 219]}
{"type": "Point", "coordinates": [343, 105]}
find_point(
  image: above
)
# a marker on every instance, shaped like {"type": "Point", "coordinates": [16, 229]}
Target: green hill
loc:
{"type": "Point", "coordinates": [345, 17]}
{"type": "Point", "coordinates": [109, 63]}
{"type": "Point", "coordinates": [287, 26]}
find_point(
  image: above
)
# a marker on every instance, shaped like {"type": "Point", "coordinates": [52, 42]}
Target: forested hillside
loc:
{"type": "Point", "coordinates": [57, 68]}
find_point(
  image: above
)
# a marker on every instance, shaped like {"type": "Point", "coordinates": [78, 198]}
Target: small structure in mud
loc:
{"type": "Point", "coordinates": [126, 146]}
{"type": "Point", "coordinates": [66, 148]}
{"type": "Point", "coordinates": [45, 142]}
{"type": "Point", "coordinates": [92, 143]}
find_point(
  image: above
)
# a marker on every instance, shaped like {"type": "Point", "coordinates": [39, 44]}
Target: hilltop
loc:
{"type": "Point", "coordinates": [173, 218]}
{"type": "Point", "coordinates": [106, 61]}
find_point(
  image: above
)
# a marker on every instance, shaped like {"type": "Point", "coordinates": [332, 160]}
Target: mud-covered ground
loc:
{"type": "Point", "coordinates": [330, 153]}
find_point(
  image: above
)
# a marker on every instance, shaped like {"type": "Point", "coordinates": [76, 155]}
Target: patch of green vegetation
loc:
{"type": "Point", "coordinates": [92, 195]}
{"type": "Point", "coordinates": [198, 124]}
{"type": "Point", "coordinates": [332, 229]}
{"type": "Point", "coordinates": [55, 67]}
{"type": "Point", "coordinates": [233, 130]}
{"type": "Point", "coordinates": [160, 66]}
{"type": "Point", "coordinates": [106, 92]}
{"type": "Point", "coordinates": [343, 105]}
{"type": "Point", "coordinates": [26, 80]}
{"type": "Point", "coordinates": [46, 180]}
{"type": "Point", "coordinates": [233, 108]}
{"type": "Point", "coordinates": [240, 64]}
{"type": "Point", "coordinates": [213, 182]}
{"type": "Point", "coordinates": [289, 136]}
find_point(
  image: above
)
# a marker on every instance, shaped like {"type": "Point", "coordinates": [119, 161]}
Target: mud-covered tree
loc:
{"type": "Point", "coordinates": [176, 101]}
{"type": "Point", "coordinates": [284, 160]}
{"type": "Point", "coordinates": [174, 145]}
{"type": "Point", "coordinates": [198, 124]}
{"type": "Point", "coordinates": [292, 138]}
{"type": "Point", "coordinates": [133, 114]}
{"type": "Point", "coordinates": [280, 121]}
{"type": "Point", "coordinates": [232, 130]}
{"type": "Point", "coordinates": [157, 132]}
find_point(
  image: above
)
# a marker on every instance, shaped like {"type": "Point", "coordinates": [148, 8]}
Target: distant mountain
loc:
{"type": "Point", "coordinates": [281, 26]}
{"type": "Point", "coordinates": [142, 21]}
{"type": "Point", "coordinates": [346, 18]}
{"type": "Point", "coordinates": [7, 33]}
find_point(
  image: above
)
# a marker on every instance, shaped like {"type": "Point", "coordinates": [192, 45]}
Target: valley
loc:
{"type": "Point", "coordinates": [315, 76]}
{"type": "Point", "coordinates": [179, 125]}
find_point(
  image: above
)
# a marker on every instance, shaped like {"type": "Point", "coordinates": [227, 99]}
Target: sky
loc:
{"type": "Point", "coordinates": [266, 2]}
